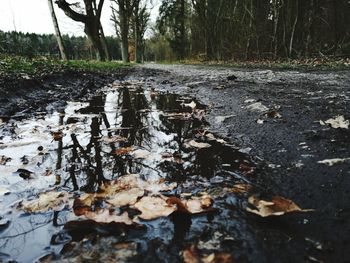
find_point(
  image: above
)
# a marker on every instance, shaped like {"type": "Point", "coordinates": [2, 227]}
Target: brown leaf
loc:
{"type": "Point", "coordinates": [83, 204]}
{"type": "Point", "coordinates": [58, 135]}
{"type": "Point", "coordinates": [240, 188]}
{"type": "Point", "coordinates": [154, 207]}
{"type": "Point", "coordinates": [4, 159]}
{"type": "Point", "coordinates": [123, 151]}
{"type": "Point", "coordinates": [126, 197]}
{"type": "Point", "coordinates": [246, 169]}
{"type": "Point", "coordinates": [276, 207]}
{"type": "Point", "coordinates": [192, 255]}
{"type": "Point", "coordinates": [192, 206]}
{"type": "Point", "coordinates": [106, 216]}
{"type": "Point", "coordinates": [198, 145]}
{"type": "Point", "coordinates": [46, 201]}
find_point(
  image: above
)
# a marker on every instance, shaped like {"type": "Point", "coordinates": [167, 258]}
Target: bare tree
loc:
{"type": "Point", "coordinates": [140, 21]}
{"type": "Point", "coordinates": [91, 20]}
{"type": "Point", "coordinates": [57, 31]}
{"type": "Point", "coordinates": [121, 15]}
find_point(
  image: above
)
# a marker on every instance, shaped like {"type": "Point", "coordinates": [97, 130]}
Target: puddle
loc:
{"type": "Point", "coordinates": [126, 130]}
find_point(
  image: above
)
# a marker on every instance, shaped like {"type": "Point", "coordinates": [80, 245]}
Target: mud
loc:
{"type": "Point", "coordinates": [270, 121]}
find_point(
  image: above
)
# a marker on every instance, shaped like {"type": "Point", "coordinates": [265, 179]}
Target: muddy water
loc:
{"type": "Point", "coordinates": [88, 144]}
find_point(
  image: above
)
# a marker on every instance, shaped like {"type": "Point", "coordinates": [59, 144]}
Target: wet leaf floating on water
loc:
{"type": "Point", "coordinates": [126, 197]}
{"type": "Point", "coordinates": [240, 188]}
{"type": "Point", "coordinates": [106, 216]}
{"type": "Point", "coordinates": [198, 145]}
{"type": "Point", "coordinates": [337, 122]}
{"type": "Point", "coordinates": [276, 207]}
{"type": "Point", "coordinates": [57, 135]}
{"type": "Point", "coordinates": [192, 255]}
{"type": "Point", "coordinates": [331, 162]}
{"type": "Point", "coordinates": [130, 181]}
{"type": "Point", "coordinates": [154, 207]}
{"type": "Point", "coordinates": [46, 201]}
{"type": "Point", "coordinates": [123, 151]}
{"type": "Point", "coordinates": [83, 204]}
{"type": "Point", "coordinates": [192, 206]}
{"type": "Point", "coordinates": [4, 159]}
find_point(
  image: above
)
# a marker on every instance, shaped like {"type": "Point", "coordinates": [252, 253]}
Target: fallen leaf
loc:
{"type": "Point", "coordinates": [106, 216]}
{"type": "Point", "coordinates": [123, 151]}
{"type": "Point", "coordinates": [192, 255]}
{"type": "Point", "coordinates": [240, 188]}
{"type": "Point", "coordinates": [211, 137]}
{"type": "Point", "coordinates": [153, 207]}
{"type": "Point", "coordinates": [257, 106]}
{"type": "Point", "coordinates": [46, 201]}
{"type": "Point", "coordinates": [246, 169]}
{"type": "Point", "coordinates": [130, 181]}
{"type": "Point", "coordinates": [199, 145]}
{"type": "Point", "coordinates": [273, 115]}
{"type": "Point", "coordinates": [337, 122]}
{"type": "Point", "coordinates": [192, 206]}
{"type": "Point", "coordinates": [83, 204]}
{"type": "Point", "coordinates": [331, 162]}
{"type": "Point", "coordinates": [276, 207]}
{"type": "Point", "coordinates": [57, 135]}
{"type": "Point", "coordinates": [126, 197]}
{"type": "Point", "coordinates": [4, 159]}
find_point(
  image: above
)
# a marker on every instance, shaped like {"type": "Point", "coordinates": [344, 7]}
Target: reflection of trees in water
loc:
{"type": "Point", "coordinates": [133, 121]}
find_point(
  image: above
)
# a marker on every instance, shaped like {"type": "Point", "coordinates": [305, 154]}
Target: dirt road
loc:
{"type": "Point", "coordinates": [289, 142]}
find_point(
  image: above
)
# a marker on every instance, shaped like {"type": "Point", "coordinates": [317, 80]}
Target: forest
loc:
{"type": "Point", "coordinates": [199, 30]}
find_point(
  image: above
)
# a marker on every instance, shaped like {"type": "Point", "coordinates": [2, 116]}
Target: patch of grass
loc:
{"type": "Point", "coordinates": [40, 65]}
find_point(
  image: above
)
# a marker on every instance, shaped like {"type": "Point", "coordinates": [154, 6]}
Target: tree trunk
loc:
{"type": "Point", "coordinates": [57, 31]}
{"type": "Point", "coordinates": [124, 30]}
{"type": "Point", "coordinates": [293, 29]}
{"type": "Point", "coordinates": [104, 44]}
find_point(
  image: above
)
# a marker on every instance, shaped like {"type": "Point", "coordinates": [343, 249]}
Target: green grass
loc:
{"type": "Point", "coordinates": [40, 65]}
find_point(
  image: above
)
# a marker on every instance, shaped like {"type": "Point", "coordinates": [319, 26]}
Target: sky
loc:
{"type": "Point", "coordinates": [33, 16]}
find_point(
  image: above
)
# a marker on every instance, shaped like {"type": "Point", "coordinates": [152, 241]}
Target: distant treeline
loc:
{"type": "Point", "coordinates": [30, 44]}
{"type": "Point", "coordinates": [255, 29]}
